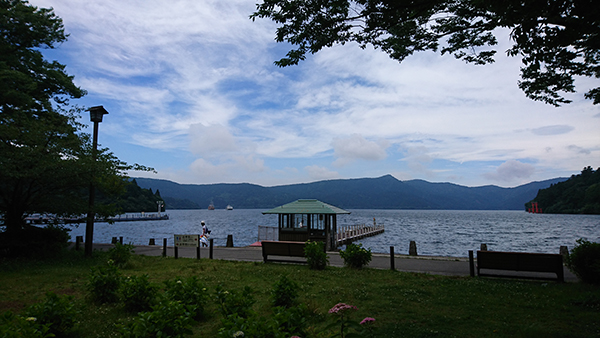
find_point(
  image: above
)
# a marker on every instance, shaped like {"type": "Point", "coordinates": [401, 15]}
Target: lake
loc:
{"type": "Point", "coordinates": [436, 232]}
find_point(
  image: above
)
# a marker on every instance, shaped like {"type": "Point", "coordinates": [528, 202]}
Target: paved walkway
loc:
{"type": "Point", "coordinates": [448, 266]}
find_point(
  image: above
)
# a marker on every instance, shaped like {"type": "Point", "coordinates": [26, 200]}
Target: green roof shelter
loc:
{"type": "Point", "coordinates": [308, 219]}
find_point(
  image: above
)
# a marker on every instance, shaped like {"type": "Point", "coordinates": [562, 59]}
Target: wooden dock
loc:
{"type": "Point", "coordinates": [349, 234]}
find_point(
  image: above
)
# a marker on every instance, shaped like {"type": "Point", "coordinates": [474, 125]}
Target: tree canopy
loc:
{"type": "Point", "coordinates": [46, 162]}
{"type": "Point", "coordinates": [580, 194]}
{"type": "Point", "coordinates": [557, 41]}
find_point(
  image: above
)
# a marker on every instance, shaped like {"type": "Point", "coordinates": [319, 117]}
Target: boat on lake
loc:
{"type": "Point", "coordinates": [211, 207]}
{"type": "Point", "coordinates": [229, 207]}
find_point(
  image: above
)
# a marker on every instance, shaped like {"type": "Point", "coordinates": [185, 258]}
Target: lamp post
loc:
{"type": "Point", "coordinates": [96, 114]}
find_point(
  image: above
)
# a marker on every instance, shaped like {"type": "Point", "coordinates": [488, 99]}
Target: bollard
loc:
{"type": "Point", "coordinates": [471, 264]}
{"type": "Point", "coordinates": [151, 242]}
{"type": "Point", "coordinates": [210, 249]}
{"type": "Point", "coordinates": [229, 241]}
{"type": "Point", "coordinates": [564, 251]}
{"type": "Point", "coordinates": [114, 240]}
{"type": "Point", "coordinates": [483, 247]}
{"type": "Point", "coordinates": [78, 241]}
{"type": "Point", "coordinates": [198, 252]}
{"type": "Point", "coordinates": [164, 254]}
{"type": "Point", "coordinates": [176, 252]}
{"type": "Point", "coordinates": [412, 249]}
{"type": "Point", "coordinates": [392, 257]}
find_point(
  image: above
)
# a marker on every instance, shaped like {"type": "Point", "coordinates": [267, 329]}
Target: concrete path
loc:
{"type": "Point", "coordinates": [448, 266]}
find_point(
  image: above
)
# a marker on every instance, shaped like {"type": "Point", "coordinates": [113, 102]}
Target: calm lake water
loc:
{"type": "Point", "coordinates": [436, 232]}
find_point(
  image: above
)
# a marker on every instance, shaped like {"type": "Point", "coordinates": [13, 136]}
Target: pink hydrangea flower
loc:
{"type": "Point", "coordinates": [367, 320]}
{"type": "Point", "coordinates": [339, 307]}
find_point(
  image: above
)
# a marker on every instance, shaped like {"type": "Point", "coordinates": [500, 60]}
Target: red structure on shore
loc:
{"type": "Point", "coordinates": [535, 209]}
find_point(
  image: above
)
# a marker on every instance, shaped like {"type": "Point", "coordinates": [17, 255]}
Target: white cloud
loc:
{"type": "Point", "coordinates": [318, 173]}
{"type": "Point", "coordinates": [214, 139]}
{"type": "Point", "coordinates": [510, 171]}
{"type": "Point", "coordinates": [356, 147]}
{"type": "Point", "coordinates": [553, 130]}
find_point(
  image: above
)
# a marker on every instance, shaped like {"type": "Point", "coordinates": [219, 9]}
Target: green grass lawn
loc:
{"type": "Point", "coordinates": [403, 304]}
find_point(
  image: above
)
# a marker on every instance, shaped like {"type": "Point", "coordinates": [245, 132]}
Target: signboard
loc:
{"type": "Point", "coordinates": [187, 240]}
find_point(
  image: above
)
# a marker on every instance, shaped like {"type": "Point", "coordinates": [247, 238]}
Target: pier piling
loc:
{"type": "Point", "coordinates": [412, 248]}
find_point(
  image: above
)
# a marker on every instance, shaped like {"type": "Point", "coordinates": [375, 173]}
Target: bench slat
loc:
{"type": "Point", "coordinates": [282, 248]}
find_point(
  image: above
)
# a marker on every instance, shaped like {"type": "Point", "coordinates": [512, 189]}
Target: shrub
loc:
{"type": "Point", "coordinates": [120, 254]}
{"type": "Point", "coordinates": [14, 326]}
{"type": "Point", "coordinates": [293, 321]}
{"type": "Point", "coordinates": [284, 292]}
{"type": "Point", "coordinates": [584, 261]}
{"type": "Point", "coordinates": [189, 292]}
{"type": "Point", "coordinates": [168, 318]}
{"type": "Point", "coordinates": [57, 312]}
{"type": "Point", "coordinates": [138, 293]}
{"type": "Point", "coordinates": [34, 242]}
{"type": "Point", "coordinates": [315, 254]}
{"type": "Point", "coordinates": [104, 283]}
{"type": "Point", "coordinates": [235, 302]}
{"type": "Point", "coordinates": [355, 256]}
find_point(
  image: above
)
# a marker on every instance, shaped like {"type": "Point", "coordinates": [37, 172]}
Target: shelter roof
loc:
{"type": "Point", "coordinates": [306, 206]}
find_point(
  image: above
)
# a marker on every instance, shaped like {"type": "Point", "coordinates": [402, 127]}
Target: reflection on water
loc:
{"type": "Point", "coordinates": [437, 232]}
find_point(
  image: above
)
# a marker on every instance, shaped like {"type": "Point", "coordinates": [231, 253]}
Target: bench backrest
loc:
{"type": "Point", "coordinates": [519, 261]}
{"type": "Point", "coordinates": [281, 248]}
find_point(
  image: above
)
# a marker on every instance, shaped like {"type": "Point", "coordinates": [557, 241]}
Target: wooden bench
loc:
{"type": "Point", "coordinates": [282, 248]}
{"type": "Point", "coordinates": [519, 261]}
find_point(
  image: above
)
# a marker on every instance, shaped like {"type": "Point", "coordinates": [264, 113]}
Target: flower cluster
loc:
{"type": "Point", "coordinates": [340, 307]}
{"type": "Point", "coordinates": [367, 320]}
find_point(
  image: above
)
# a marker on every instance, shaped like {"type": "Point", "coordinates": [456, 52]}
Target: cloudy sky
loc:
{"type": "Point", "coordinates": [192, 91]}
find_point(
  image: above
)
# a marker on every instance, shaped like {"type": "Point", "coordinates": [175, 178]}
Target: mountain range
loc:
{"type": "Point", "coordinates": [385, 192]}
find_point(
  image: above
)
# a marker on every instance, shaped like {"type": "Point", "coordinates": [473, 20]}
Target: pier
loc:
{"type": "Point", "coordinates": [351, 233]}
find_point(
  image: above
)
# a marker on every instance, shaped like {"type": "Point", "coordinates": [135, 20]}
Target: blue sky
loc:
{"type": "Point", "coordinates": [192, 91]}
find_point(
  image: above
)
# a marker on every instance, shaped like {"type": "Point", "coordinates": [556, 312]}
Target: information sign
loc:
{"type": "Point", "coordinates": [187, 240]}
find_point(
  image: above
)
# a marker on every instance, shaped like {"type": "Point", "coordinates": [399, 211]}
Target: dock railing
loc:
{"type": "Point", "coordinates": [347, 234]}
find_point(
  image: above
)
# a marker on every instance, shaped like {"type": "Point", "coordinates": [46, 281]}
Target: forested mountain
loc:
{"type": "Point", "coordinates": [580, 194]}
{"type": "Point", "coordinates": [384, 192]}
{"type": "Point", "coordinates": [137, 199]}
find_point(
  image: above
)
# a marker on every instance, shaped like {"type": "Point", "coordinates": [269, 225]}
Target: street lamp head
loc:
{"type": "Point", "coordinates": [96, 113]}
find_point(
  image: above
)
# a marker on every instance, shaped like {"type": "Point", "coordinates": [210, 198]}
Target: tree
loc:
{"type": "Point", "coordinates": [46, 161]}
{"type": "Point", "coordinates": [580, 194]}
{"type": "Point", "coordinates": [557, 40]}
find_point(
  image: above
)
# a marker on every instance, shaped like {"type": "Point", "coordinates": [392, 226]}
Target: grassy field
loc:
{"type": "Point", "coordinates": [403, 304]}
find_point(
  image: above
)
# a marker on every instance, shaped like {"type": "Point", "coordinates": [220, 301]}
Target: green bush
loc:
{"type": "Point", "coordinates": [584, 261]}
{"type": "Point", "coordinates": [138, 293]}
{"type": "Point", "coordinates": [14, 326]}
{"type": "Point", "coordinates": [104, 283]}
{"type": "Point", "coordinates": [57, 312]}
{"type": "Point", "coordinates": [235, 302]}
{"type": "Point", "coordinates": [168, 318]}
{"type": "Point", "coordinates": [189, 292]}
{"type": "Point", "coordinates": [355, 256]}
{"type": "Point", "coordinates": [120, 254]}
{"type": "Point", "coordinates": [34, 242]}
{"type": "Point", "coordinates": [294, 320]}
{"type": "Point", "coordinates": [315, 254]}
{"type": "Point", "coordinates": [284, 292]}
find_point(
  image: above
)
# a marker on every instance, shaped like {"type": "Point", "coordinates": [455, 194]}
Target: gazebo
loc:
{"type": "Point", "coordinates": [308, 219]}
